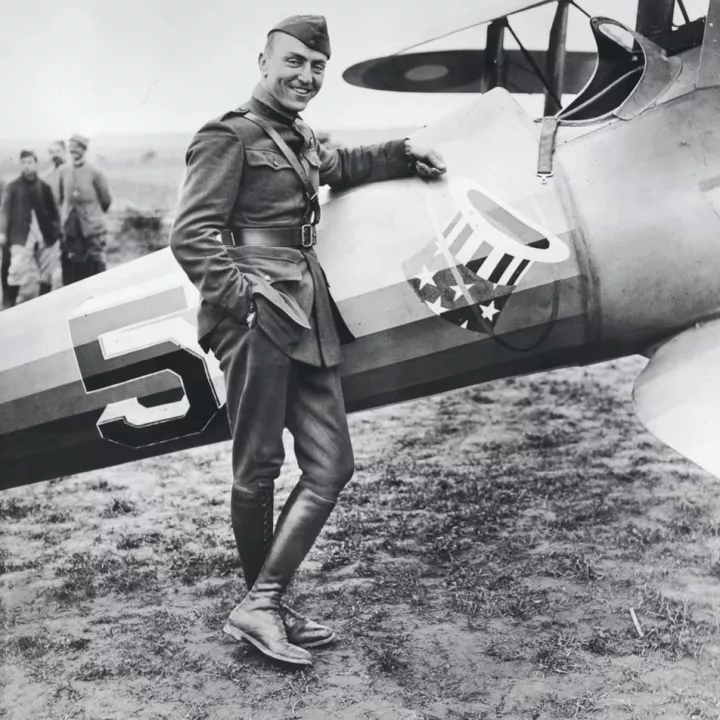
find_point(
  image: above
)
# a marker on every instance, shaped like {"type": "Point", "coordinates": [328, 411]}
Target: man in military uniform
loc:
{"type": "Point", "coordinates": [84, 200]}
{"type": "Point", "coordinates": [30, 226]}
{"type": "Point", "coordinates": [244, 233]}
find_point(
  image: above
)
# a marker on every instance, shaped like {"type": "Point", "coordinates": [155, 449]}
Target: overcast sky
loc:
{"type": "Point", "coordinates": [135, 66]}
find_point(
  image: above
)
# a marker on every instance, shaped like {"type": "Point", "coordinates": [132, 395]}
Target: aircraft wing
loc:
{"type": "Point", "coordinates": [463, 71]}
{"type": "Point", "coordinates": [483, 12]}
{"type": "Point", "coordinates": [677, 395]}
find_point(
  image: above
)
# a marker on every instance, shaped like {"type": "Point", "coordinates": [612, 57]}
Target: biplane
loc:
{"type": "Point", "coordinates": [589, 234]}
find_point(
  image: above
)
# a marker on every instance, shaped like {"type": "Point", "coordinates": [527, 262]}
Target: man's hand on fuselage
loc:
{"type": "Point", "coordinates": [429, 163]}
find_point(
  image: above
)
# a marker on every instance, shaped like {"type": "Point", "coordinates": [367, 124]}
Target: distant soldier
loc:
{"type": "Point", "coordinates": [58, 155]}
{"type": "Point", "coordinates": [84, 199]}
{"type": "Point", "coordinates": [29, 227]}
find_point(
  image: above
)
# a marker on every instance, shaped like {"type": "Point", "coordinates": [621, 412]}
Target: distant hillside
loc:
{"type": "Point", "coordinates": [160, 149]}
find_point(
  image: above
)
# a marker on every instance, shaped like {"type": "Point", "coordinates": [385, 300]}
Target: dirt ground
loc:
{"type": "Point", "coordinates": [482, 564]}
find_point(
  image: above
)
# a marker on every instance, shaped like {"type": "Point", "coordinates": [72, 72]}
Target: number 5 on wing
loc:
{"type": "Point", "coordinates": [138, 350]}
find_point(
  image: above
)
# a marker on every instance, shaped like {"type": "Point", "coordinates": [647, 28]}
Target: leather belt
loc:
{"type": "Point", "coordinates": [304, 236]}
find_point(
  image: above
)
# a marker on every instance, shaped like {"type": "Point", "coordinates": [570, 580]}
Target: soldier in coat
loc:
{"type": "Point", "coordinates": [84, 200]}
{"type": "Point", "coordinates": [30, 228]}
{"type": "Point", "coordinates": [244, 233]}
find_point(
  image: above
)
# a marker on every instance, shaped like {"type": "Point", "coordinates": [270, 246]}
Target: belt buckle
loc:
{"type": "Point", "coordinates": [308, 236]}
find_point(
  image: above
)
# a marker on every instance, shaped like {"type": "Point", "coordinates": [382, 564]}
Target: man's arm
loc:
{"type": "Point", "coordinates": [212, 181]}
{"type": "Point", "coordinates": [344, 167]}
{"type": "Point", "coordinates": [101, 188]}
{"type": "Point", "coordinates": [397, 158]}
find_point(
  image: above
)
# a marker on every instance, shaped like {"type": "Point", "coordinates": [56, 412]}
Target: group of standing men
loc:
{"type": "Point", "coordinates": [54, 222]}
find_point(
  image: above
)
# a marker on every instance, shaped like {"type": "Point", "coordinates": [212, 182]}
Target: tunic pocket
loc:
{"type": "Point", "coordinates": [266, 158]}
{"type": "Point", "coordinates": [313, 161]}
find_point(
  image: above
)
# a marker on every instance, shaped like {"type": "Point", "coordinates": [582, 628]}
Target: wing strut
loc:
{"type": "Point", "coordinates": [654, 18]}
{"type": "Point", "coordinates": [531, 62]}
{"type": "Point", "coordinates": [555, 60]}
{"type": "Point", "coordinates": [495, 74]}
{"type": "Point", "coordinates": [709, 72]}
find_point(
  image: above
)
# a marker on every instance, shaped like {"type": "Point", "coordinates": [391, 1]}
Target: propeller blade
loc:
{"type": "Point", "coordinates": [461, 71]}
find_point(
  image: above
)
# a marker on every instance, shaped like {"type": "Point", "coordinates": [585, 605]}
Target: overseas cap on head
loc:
{"type": "Point", "coordinates": [308, 29]}
{"type": "Point", "coordinates": [80, 140]}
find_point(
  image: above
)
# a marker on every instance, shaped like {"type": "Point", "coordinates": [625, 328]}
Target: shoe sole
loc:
{"type": "Point", "coordinates": [238, 634]}
{"type": "Point", "coordinates": [320, 643]}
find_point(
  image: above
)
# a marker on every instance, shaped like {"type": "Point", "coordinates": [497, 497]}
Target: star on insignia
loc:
{"type": "Point", "coordinates": [459, 290]}
{"type": "Point", "coordinates": [489, 311]}
{"type": "Point", "coordinates": [437, 306]}
{"type": "Point", "coordinates": [443, 245]}
{"type": "Point", "coordinates": [426, 278]}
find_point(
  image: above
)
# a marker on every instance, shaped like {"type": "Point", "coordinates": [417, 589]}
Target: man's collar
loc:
{"type": "Point", "coordinates": [263, 96]}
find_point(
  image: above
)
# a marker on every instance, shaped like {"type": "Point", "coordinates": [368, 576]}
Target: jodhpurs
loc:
{"type": "Point", "coordinates": [268, 391]}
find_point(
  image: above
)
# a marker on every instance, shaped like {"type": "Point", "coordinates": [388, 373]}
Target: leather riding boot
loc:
{"type": "Point", "coordinates": [251, 515]}
{"type": "Point", "coordinates": [303, 631]}
{"type": "Point", "coordinates": [252, 523]}
{"type": "Point", "coordinates": [258, 618]}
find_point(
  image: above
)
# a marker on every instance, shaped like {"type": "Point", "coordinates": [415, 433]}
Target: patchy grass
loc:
{"type": "Point", "coordinates": [191, 568]}
{"type": "Point", "coordinates": [388, 654]}
{"type": "Point", "coordinates": [482, 564]}
{"type": "Point", "coordinates": [85, 576]}
{"type": "Point", "coordinates": [15, 508]}
{"type": "Point", "coordinates": [119, 506]}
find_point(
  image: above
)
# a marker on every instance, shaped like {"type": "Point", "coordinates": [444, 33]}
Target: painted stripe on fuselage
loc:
{"type": "Point", "coordinates": [20, 404]}
{"type": "Point", "coordinates": [47, 371]}
{"type": "Point", "coordinates": [72, 445]}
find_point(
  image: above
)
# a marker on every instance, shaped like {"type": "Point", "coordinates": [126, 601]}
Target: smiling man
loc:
{"type": "Point", "coordinates": [244, 233]}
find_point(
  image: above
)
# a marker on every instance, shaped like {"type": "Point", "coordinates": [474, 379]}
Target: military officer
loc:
{"type": "Point", "coordinates": [244, 233]}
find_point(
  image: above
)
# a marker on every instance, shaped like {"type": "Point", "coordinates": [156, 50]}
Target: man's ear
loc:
{"type": "Point", "coordinates": [262, 64]}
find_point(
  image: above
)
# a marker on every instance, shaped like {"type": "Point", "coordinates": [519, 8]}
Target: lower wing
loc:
{"type": "Point", "coordinates": [677, 395]}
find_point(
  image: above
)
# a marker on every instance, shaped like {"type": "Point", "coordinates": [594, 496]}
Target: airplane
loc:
{"type": "Point", "coordinates": [590, 235]}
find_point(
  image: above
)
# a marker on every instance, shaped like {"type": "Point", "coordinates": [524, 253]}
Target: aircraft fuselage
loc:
{"type": "Point", "coordinates": [489, 272]}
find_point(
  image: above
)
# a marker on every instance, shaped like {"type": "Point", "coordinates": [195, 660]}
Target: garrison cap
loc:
{"type": "Point", "coordinates": [308, 29]}
{"type": "Point", "coordinates": [80, 140]}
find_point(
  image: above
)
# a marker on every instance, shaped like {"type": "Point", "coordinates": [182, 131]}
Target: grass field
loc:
{"type": "Point", "coordinates": [482, 564]}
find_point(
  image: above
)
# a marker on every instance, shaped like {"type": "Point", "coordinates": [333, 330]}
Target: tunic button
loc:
{"type": "Point", "coordinates": [267, 277]}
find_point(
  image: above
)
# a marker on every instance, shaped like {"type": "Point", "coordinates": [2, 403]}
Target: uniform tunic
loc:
{"type": "Point", "coordinates": [237, 177]}
{"type": "Point", "coordinates": [29, 217]}
{"type": "Point", "coordinates": [84, 189]}
{"type": "Point", "coordinates": [281, 371]}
